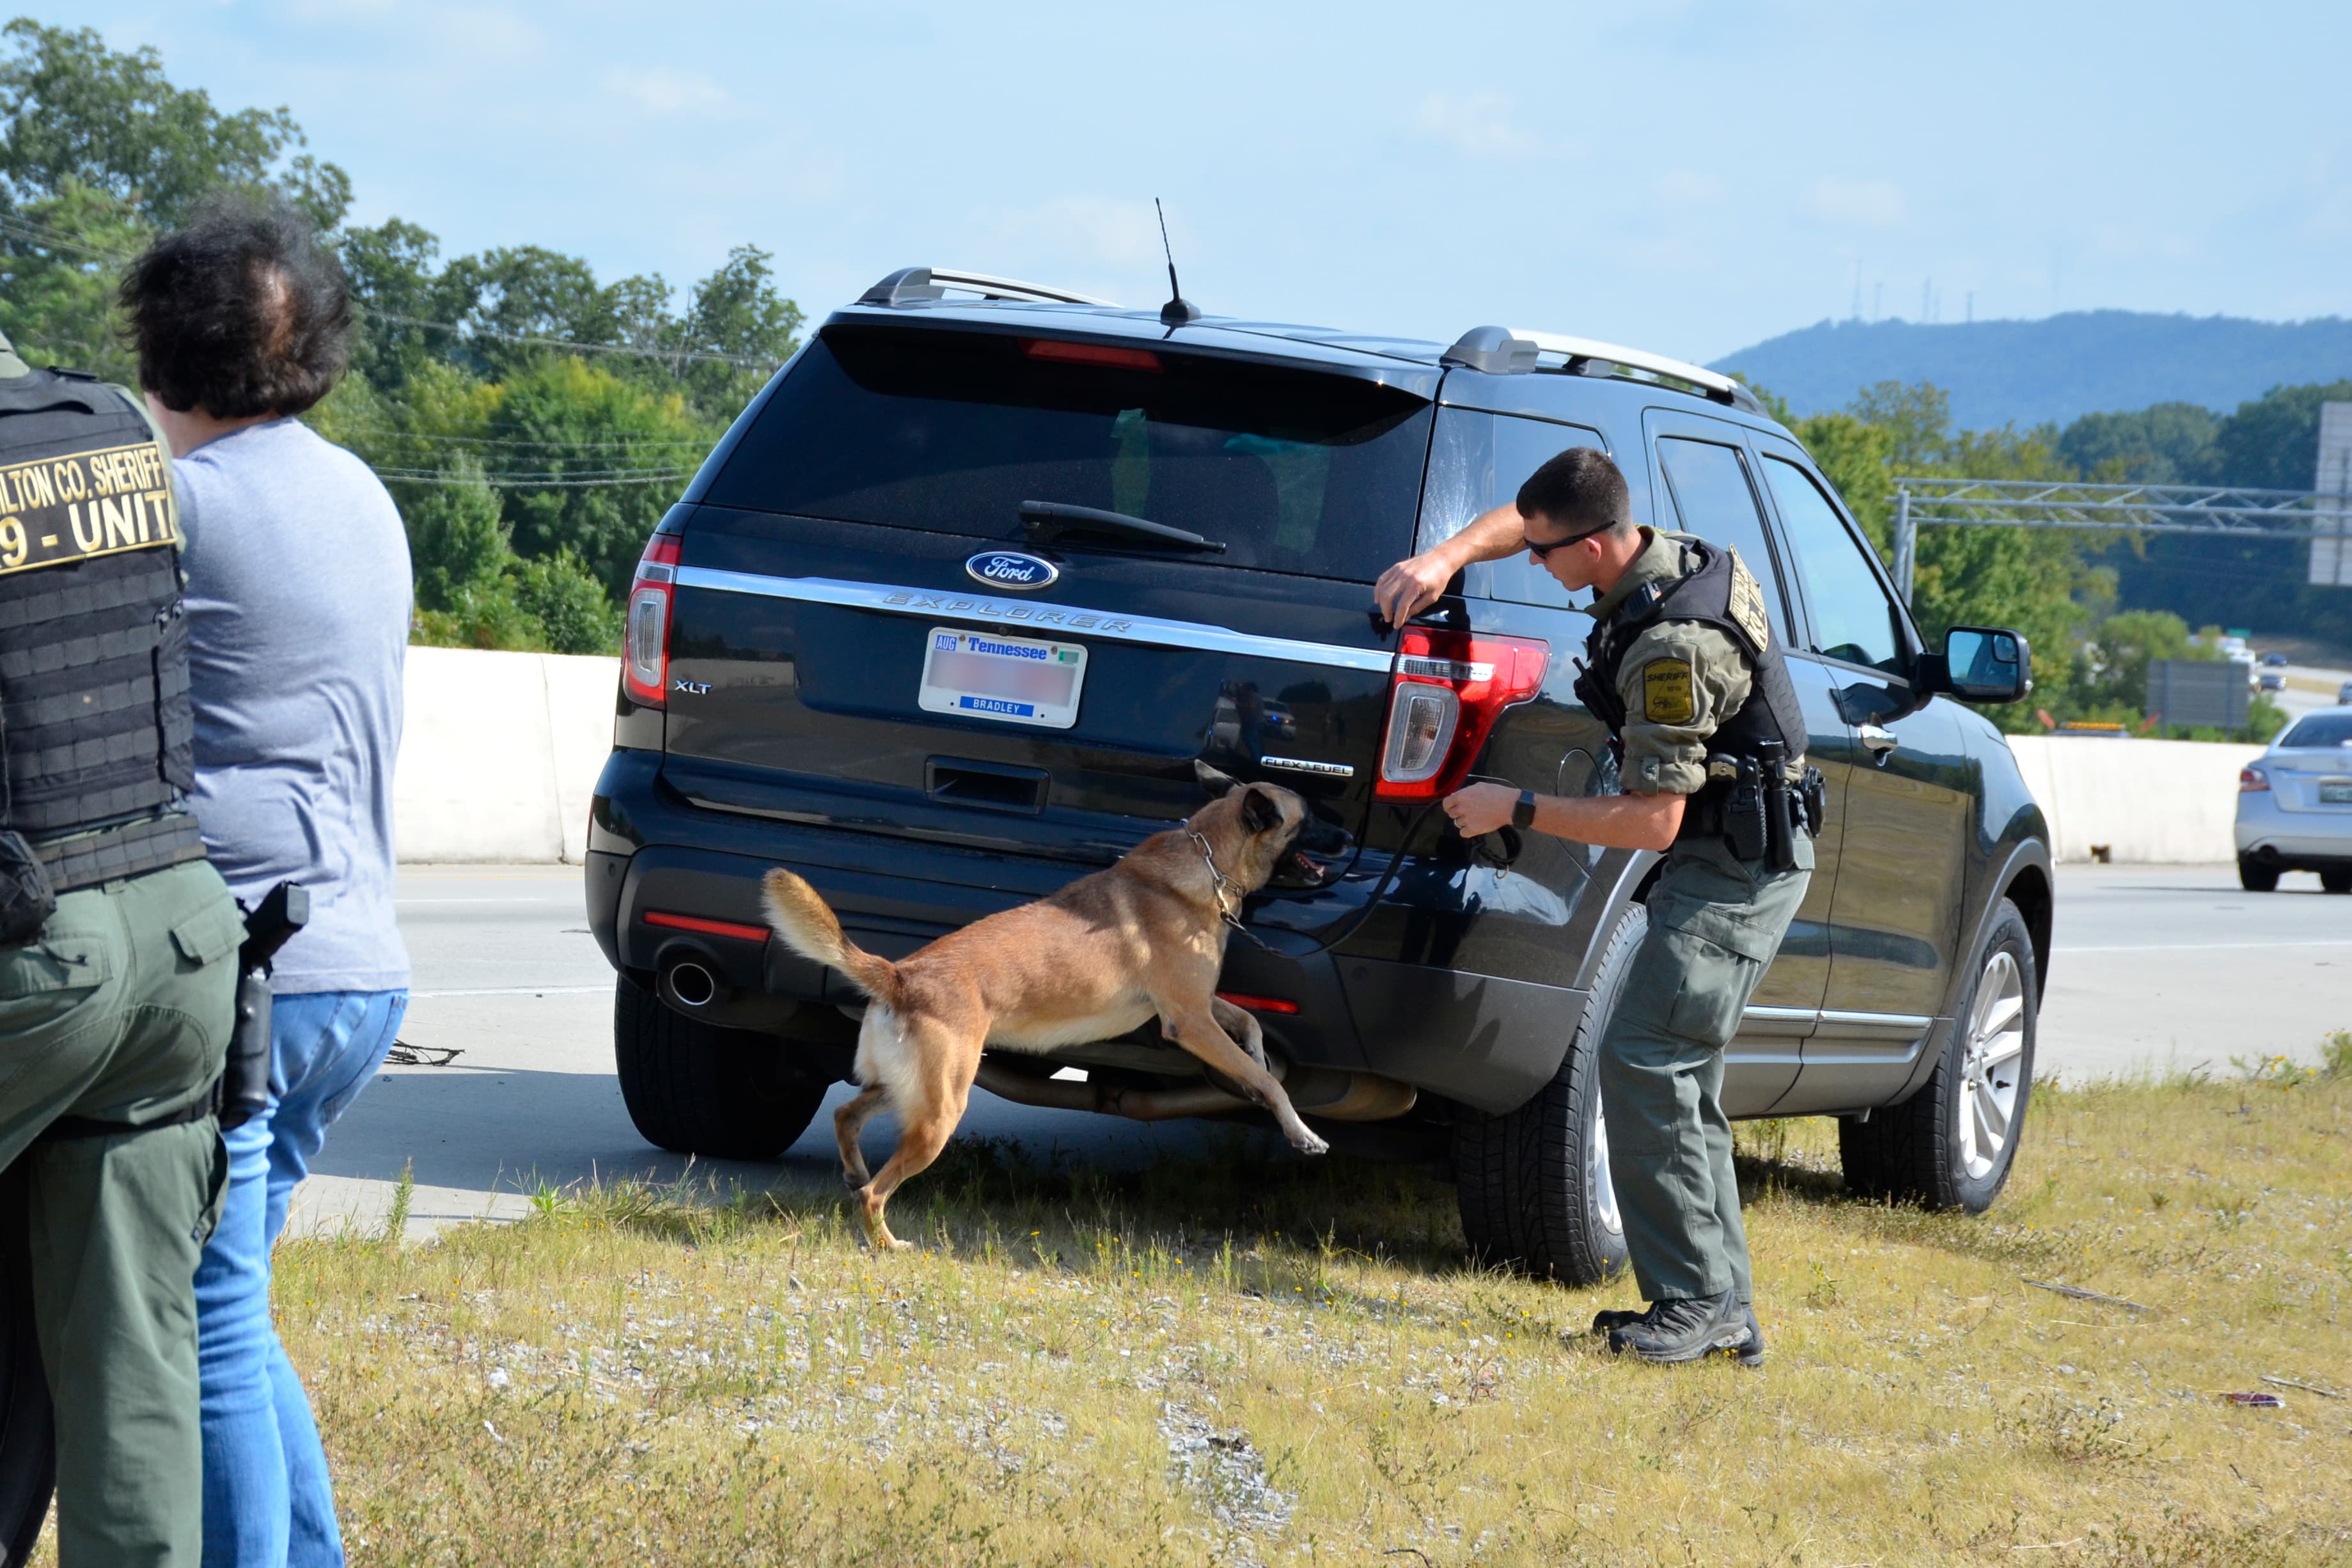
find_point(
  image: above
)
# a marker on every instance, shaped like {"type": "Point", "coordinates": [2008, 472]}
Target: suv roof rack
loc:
{"type": "Point", "coordinates": [911, 285]}
{"type": "Point", "coordinates": [1500, 351]}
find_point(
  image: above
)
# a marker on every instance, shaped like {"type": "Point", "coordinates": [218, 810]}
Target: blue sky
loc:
{"type": "Point", "coordinates": [1688, 177]}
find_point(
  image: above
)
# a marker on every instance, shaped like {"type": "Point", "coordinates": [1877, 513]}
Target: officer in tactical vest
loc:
{"type": "Point", "coordinates": [1683, 667]}
{"type": "Point", "coordinates": [116, 958]}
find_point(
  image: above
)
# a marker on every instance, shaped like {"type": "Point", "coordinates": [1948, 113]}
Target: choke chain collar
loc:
{"type": "Point", "coordinates": [1228, 892]}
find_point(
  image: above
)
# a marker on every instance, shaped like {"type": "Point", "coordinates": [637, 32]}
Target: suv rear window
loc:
{"type": "Point", "coordinates": [1293, 470]}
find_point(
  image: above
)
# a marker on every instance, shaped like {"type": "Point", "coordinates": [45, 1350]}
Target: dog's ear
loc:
{"type": "Point", "coordinates": [1217, 783]}
{"type": "Point", "coordinates": [1259, 812]}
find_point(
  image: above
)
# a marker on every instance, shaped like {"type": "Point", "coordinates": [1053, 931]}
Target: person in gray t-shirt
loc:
{"type": "Point", "coordinates": [297, 608]}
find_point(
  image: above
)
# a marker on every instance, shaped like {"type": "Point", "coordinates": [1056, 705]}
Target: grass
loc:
{"type": "Point", "coordinates": [1256, 1359]}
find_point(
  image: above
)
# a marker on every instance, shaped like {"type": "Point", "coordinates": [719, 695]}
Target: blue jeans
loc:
{"type": "Point", "coordinates": [268, 1501]}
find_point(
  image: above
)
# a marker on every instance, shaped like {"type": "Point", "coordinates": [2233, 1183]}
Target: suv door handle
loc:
{"type": "Point", "coordinates": [1877, 739]}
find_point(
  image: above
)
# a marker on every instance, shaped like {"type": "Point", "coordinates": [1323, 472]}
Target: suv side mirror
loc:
{"type": "Point", "coordinates": [1980, 664]}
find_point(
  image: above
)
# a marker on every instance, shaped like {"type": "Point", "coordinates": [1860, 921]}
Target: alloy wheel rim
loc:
{"type": "Point", "coordinates": [1992, 1066]}
{"type": "Point", "coordinates": [1596, 1176]}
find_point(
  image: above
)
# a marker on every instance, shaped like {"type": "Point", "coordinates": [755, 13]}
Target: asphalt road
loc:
{"type": "Point", "coordinates": [2156, 967]}
{"type": "Point", "coordinates": [2309, 687]}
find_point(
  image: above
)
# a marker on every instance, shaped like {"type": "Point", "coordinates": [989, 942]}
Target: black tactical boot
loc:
{"type": "Point", "coordinates": [1614, 1318]}
{"type": "Point", "coordinates": [1688, 1329]}
{"type": "Point", "coordinates": [1752, 1352]}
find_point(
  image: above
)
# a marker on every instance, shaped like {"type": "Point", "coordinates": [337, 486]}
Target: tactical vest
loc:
{"type": "Point", "coordinates": [1722, 594]}
{"type": "Point", "coordinates": [95, 721]}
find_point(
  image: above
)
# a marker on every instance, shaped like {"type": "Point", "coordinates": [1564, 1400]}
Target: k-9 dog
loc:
{"type": "Point", "coordinates": [1145, 936]}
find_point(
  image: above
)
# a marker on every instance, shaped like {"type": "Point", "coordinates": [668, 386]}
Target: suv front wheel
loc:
{"type": "Point", "coordinates": [1950, 1145]}
{"type": "Point", "coordinates": [1533, 1183]}
{"type": "Point", "coordinates": [697, 1088]}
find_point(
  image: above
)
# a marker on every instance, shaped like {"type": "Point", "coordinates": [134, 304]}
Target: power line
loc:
{"type": "Point", "coordinates": [387, 435]}
{"type": "Point", "coordinates": [741, 361]}
{"type": "Point", "coordinates": [554, 481]}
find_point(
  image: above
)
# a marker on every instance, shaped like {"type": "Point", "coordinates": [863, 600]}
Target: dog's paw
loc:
{"type": "Point", "coordinates": [1308, 1144]}
{"type": "Point", "coordinates": [853, 1180]}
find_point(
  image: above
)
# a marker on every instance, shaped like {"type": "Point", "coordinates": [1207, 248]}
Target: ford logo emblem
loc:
{"type": "Point", "coordinates": [1011, 569]}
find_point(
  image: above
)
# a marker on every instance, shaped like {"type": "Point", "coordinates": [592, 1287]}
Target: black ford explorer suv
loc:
{"type": "Point", "coordinates": [948, 615]}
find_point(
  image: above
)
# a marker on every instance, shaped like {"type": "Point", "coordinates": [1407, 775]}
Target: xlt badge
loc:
{"type": "Point", "coordinates": [1011, 569]}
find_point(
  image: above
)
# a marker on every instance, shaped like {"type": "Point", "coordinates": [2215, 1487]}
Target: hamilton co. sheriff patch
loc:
{"type": "Point", "coordinates": [57, 510]}
{"type": "Point", "coordinates": [1747, 605]}
{"type": "Point", "coordinates": [1666, 692]}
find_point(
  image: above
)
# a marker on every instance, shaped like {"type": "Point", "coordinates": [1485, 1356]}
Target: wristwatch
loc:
{"type": "Point", "coordinates": [1523, 815]}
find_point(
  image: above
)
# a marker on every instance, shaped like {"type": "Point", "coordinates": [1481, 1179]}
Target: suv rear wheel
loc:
{"type": "Point", "coordinates": [697, 1088]}
{"type": "Point", "coordinates": [1950, 1145]}
{"type": "Point", "coordinates": [1533, 1183]}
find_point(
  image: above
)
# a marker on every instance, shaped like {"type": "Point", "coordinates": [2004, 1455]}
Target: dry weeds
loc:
{"type": "Point", "coordinates": [1258, 1359]}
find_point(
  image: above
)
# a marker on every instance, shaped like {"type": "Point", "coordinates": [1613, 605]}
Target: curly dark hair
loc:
{"type": "Point", "coordinates": [1578, 490]}
{"type": "Point", "coordinates": [241, 312]}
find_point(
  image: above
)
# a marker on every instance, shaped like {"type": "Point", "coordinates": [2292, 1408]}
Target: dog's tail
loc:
{"type": "Point", "coordinates": [809, 929]}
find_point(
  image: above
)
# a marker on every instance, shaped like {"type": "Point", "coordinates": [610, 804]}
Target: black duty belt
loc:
{"type": "Point", "coordinates": [129, 849]}
{"type": "Point", "coordinates": [86, 1127]}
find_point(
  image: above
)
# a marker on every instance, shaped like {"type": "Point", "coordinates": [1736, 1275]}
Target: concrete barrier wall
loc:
{"type": "Point", "coordinates": [2144, 801]}
{"type": "Point", "coordinates": [502, 752]}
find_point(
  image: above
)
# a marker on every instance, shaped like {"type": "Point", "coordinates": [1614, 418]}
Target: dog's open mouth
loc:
{"type": "Point", "coordinates": [1298, 862]}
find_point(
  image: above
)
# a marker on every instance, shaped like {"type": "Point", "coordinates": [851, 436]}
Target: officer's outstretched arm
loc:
{"type": "Point", "coordinates": [1413, 584]}
{"type": "Point", "coordinates": [1612, 821]}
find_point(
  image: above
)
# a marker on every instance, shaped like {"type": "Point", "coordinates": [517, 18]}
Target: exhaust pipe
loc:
{"type": "Point", "coordinates": [1332, 1094]}
{"type": "Point", "coordinates": [690, 984]}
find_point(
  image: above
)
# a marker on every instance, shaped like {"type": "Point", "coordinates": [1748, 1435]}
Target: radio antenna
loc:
{"type": "Point", "coordinates": [1178, 310]}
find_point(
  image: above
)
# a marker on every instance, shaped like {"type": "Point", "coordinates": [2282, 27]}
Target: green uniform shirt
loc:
{"type": "Point", "coordinates": [1679, 681]}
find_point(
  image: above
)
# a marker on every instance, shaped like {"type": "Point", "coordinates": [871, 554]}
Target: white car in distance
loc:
{"type": "Point", "coordinates": [2295, 805]}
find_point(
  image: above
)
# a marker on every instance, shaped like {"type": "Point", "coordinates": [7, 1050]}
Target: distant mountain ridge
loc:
{"type": "Point", "coordinates": [2057, 368]}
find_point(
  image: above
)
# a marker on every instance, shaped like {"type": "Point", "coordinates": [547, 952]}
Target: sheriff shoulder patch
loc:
{"type": "Point", "coordinates": [57, 510]}
{"type": "Point", "coordinates": [1666, 692]}
{"type": "Point", "coordinates": [1747, 606]}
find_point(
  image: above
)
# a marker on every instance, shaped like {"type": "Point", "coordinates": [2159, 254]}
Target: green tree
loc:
{"type": "Point", "coordinates": [2164, 443]}
{"type": "Point", "coordinates": [2117, 655]}
{"type": "Point", "coordinates": [78, 113]}
{"type": "Point", "coordinates": [457, 534]}
{"type": "Point", "coordinates": [579, 427]}
{"type": "Point", "coordinates": [736, 311]}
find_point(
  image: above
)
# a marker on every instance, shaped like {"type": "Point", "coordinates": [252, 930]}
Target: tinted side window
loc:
{"type": "Point", "coordinates": [1853, 620]}
{"type": "Point", "coordinates": [1712, 497]}
{"type": "Point", "coordinates": [1477, 462]}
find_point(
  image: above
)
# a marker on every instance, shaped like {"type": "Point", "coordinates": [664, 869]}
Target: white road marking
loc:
{"type": "Point", "coordinates": [2203, 946]}
{"type": "Point", "coordinates": [516, 990]}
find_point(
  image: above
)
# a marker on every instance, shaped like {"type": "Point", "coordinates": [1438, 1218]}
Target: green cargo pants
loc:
{"type": "Point", "coordinates": [119, 1011]}
{"type": "Point", "coordinates": [1714, 923]}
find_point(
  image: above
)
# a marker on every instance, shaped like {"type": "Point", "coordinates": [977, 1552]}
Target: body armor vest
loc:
{"type": "Point", "coordinates": [95, 721]}
{"type": "Point", "coordinates": [1722, 594]}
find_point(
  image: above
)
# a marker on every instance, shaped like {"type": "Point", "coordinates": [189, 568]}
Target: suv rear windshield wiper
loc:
{"type": "Point", "coordinates": [1049, 521]}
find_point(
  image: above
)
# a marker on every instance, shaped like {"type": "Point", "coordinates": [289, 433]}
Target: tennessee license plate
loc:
{"type": "Point", "coordinates": [1016, 681]}
{"type": "Point", "coordinates": [2335, 793]}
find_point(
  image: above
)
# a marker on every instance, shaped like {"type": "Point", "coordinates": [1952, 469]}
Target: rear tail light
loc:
{"type": "Point", "coordinates": [1092, 354]}
{"type": "Point", "coordinates": [645, 652]}
{"type": "Point", "coordinates": [2250, 780]}
{"type": "Point", "coordinates": [1448, 691]}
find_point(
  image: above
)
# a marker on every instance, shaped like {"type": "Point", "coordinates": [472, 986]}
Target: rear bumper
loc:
{"type": "Point", "coordinates": [1486, 1041]}
{"type": "Point", "coordinates": [2296, 840]}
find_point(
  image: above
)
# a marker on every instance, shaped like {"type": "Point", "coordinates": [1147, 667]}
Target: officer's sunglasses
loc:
{"type": "Point", "coordinates": [1543, 551]}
